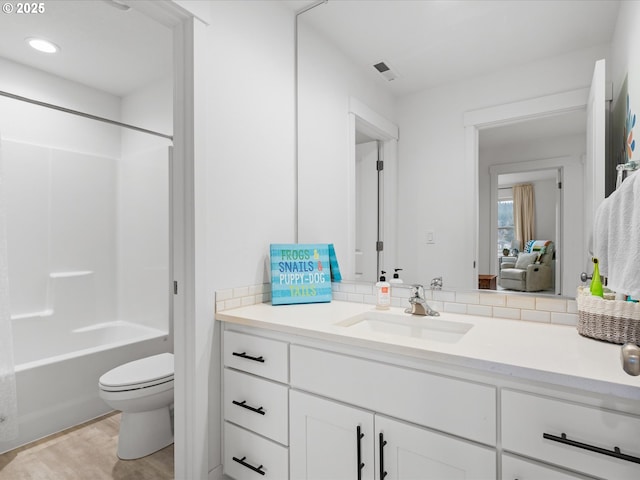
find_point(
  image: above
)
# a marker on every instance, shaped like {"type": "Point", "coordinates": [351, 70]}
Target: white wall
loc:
{"type": "Point", "coordinates": [42, 126]}
{"type": "Point", "coordinates": [624, 47]}
{"type": "Point", "coordinates": [250, 156]}
{"type": "Point", "coordinates": [326, 80]}
{"type": "Point", "coordinates": [431, 153]}
{"type": "Point", "coordinates": [624, 61]}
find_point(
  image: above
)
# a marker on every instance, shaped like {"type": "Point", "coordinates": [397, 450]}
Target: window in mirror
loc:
{"type": "Point", "coordinates": [506, 229]}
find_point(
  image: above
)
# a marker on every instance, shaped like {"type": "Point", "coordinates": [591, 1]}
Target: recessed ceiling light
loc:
{"type": "Point", "coordinates": [42, 45]}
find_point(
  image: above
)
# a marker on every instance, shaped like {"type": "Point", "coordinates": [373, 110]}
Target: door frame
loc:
{"type": "Point", "coordinates": [366, 120]}
{"type": "Point", "coordinates": [505, 114]}
{"type": "Point", "coordinates": [189, 305]}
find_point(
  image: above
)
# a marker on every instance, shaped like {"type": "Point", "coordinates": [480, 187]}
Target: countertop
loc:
{"type": "Point", "coordinates": [548, 353]}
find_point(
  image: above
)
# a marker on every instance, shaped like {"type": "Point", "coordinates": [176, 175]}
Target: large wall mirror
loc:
{"type": "Point", "coordinates": [477, 115]}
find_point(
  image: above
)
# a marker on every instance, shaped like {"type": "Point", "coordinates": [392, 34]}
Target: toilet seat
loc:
{"type": "Point", "coordinates": [143, 373]}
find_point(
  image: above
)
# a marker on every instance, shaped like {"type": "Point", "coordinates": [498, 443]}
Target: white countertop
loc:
{"type": "Point", "coordinates": [554, 354]}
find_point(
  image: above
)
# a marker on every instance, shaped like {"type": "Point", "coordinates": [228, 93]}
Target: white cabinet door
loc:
{"type": "Point", "coordinates": [324, 440]}
{"type": "Point", "coordinates": [410, 453]}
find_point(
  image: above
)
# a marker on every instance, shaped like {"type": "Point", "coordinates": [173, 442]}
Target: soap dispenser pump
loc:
{"type": "Point", "coordinates": [383, 296]}
{"type": "Point", "coordinates": [396, 276]}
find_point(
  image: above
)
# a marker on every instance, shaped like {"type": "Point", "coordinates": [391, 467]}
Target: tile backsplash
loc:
{"type": "Point", "coordinates": [487, 303]}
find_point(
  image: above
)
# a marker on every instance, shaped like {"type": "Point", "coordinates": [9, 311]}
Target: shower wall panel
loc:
{"type": "Point", "coordinates": [61, 219]}
{"type": "Point", "coordinates": [26, 168]}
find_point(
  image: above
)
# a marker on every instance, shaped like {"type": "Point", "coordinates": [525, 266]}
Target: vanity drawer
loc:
{"type": "Point", "coordinates": [527, 417]}
{"type": "Point", "coordinates": [246, 455]}
{"type": "Point", "coordinates": [244, 394]}
{"type": "Point", "coordinates": [514, 468]}
{"type": "Point", "coordinates": [456, 406]}
{"type": "Point", "coordinates": [260, 356]}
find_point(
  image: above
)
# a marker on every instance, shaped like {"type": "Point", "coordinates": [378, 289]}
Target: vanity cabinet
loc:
{"type": "Point", "coordinates": [303, 408]}
{"type": "Point", "coordinates": [255, 407]}
{"type": "Point", "coordinates": [571, 435]}
{"type": "Point", "coordinates": [330, 439]}
{"type": "Point", "coordinates": [408, 452]}
{"type": "Point", "coordinates": [324, 429]}
{"type": "Point", "coordinates": [334, 440]}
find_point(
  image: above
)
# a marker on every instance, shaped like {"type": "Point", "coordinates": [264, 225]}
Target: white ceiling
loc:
{"type": "Point", "coordinates": [432, 42]}
{"type": "Point", "coordinates": [113, 50]}
{"type": "Point", "coordinates": [428, 42]}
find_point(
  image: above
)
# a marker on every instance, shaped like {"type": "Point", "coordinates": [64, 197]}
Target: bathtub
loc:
{"type": "Point", "coordinates": [57, 369]}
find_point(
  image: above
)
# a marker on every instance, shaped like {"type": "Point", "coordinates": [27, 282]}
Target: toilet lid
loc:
{"type": "Point", "coordinates": [141, 373]}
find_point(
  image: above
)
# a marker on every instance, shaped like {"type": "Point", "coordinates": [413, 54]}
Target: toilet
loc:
{"type": "Point", "coordinates": [143, 391]}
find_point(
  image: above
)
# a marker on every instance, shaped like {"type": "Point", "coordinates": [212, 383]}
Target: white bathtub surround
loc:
{"type": "Point", "coordinates": [8, 401]}
{"type": "Point", "coordinates": [559, 311]}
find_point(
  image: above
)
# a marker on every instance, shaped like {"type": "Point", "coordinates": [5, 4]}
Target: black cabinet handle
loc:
{"type": "Point", "coordinates": [611, 453]}
{"type": "Point", "coordinates": [249, 357]}
{"type": "Point", "coordinates": [383, 442]}
{"type": "Point", "coordinates": [243, 404]}
{"type": "Point", "coordinates": [359, 436]}
{"type": "Point", "coordinates": [242, 462]}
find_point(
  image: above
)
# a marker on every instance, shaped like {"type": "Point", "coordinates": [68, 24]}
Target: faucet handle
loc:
{"type": "Point", "coordinates": [417, 292]}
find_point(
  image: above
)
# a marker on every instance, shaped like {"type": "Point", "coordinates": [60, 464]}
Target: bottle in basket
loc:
{"type": "Point", "coordinates": [596, 281]}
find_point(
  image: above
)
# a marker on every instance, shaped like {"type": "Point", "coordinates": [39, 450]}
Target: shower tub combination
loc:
{"type": "Point", "coordinates": [59, 357]}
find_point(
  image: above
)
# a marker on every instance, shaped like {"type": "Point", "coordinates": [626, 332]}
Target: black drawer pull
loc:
{"type": "Point", "coordinates": [611, 453]}
{"type": "Point", "coordinates": [242, 462]}
{"type": "Point", "coordinates": [243, 404]}
{"type": "Point", "coordinates": [249, 357]}
{"type": "Point", "coordinates": [360, 465]}
{"type": "Point", "coordinates": [383, 442]}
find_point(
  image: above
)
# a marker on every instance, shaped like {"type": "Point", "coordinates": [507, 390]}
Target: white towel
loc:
{"type": "Point", "coordinates": [616, 238]}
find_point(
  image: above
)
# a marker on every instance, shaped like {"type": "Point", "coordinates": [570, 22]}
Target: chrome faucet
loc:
{"type": "Point", "coordinates": [419, 305]}
{"type": "Point", "coordinates": [436, 283]}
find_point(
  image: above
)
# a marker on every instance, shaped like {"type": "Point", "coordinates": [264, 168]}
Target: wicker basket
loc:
{"type": "Point", "coordinates": [614, 321]}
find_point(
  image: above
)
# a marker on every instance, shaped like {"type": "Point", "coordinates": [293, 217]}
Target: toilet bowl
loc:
{"type": "Point", "coordinates": [143, 391]}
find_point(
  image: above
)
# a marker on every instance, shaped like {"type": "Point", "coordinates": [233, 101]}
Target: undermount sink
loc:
{"type": "Point", "coordinates": [405, 325]}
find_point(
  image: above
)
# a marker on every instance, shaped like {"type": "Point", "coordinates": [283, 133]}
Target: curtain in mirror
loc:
{"type": "Point", "coordinates": [523, 213]}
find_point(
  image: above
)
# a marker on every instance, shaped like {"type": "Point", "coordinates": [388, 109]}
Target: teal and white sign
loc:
{"type": "Point", "coordinates": [300, 273]}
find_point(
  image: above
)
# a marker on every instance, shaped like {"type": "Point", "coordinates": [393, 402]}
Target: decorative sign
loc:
{"type": "Point", "coordinates": [300, 274]}
{"type": "Point", "coordinates": [333, 262]}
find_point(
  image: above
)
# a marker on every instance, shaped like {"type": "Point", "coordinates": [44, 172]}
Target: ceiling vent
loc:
{"type": "Point", "coordinates": [385, 71]}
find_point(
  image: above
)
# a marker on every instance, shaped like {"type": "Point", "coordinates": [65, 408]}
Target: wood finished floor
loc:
{"type": "Point", "coordinates": [85, 452]}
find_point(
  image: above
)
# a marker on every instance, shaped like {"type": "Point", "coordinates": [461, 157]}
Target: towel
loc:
{"type": "Point", "coordinates": [616, 238]}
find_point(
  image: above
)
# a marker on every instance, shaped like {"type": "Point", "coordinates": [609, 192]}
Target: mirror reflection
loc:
{"type": "Point", "coordinates": [445, 64]}
{"type": "Point", "coordinates": [546, 155]}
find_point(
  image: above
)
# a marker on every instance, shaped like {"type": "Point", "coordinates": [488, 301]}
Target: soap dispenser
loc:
{"type": "Point", "coordinates": [396, 276]}
{"type": "Point", "coordinates": [383, 293]}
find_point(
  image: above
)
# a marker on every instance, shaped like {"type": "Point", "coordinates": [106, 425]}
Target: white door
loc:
{"type": "Point", "coordinates": [366, 211]}
{"type": "Point", "coordinates": [412, 453]}
{"type": "Point", "coordinates": [329, 440]}
{"type": "Point", "coordinates": [595, 160]}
